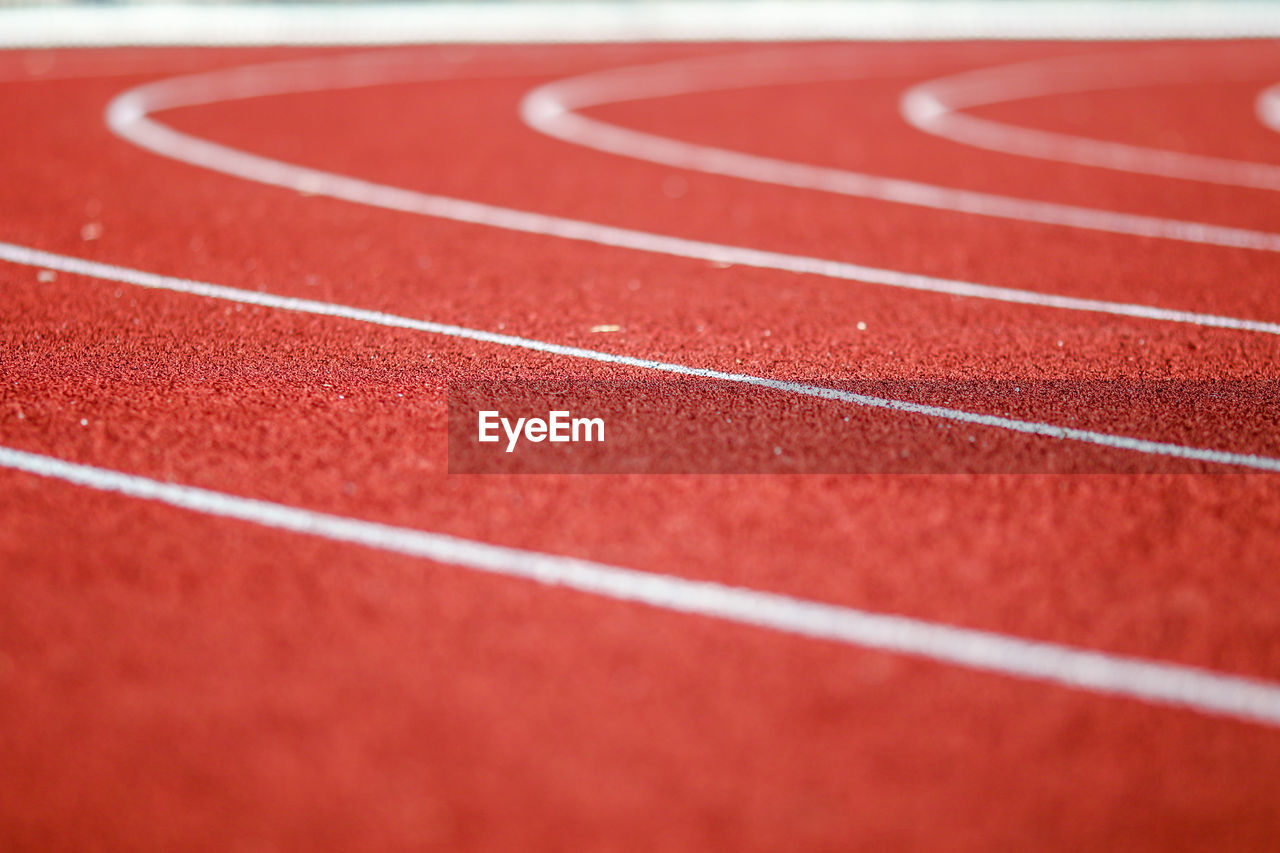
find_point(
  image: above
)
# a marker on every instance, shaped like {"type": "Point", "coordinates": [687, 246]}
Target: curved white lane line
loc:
{"type": "Point", "coordinates": [36, 258]}
{"type": "Point", "coordinates": [935, 107]}
{"type": "Point", "coordinates": [1268, 107]}
{"type": "Point", "coordinates": [128, 115]}
{"type": "Point", "coordinates": [1156, 682]}
{"type": "Point", "coordinates": [553, 109]}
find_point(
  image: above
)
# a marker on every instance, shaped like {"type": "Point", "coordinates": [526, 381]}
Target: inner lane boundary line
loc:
{"type": "Point", "coordinates": [1159, 683]}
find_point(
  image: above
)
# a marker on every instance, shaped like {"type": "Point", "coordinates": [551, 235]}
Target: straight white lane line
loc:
{"type": "Point", "coordinates": [935, 107]}
{"type": "Point", "coordinates": [34, 257]}
{"type": "Point", "coordinates": [553, 109]}
{"type": "Point", "coordinates": [128, 116]}
{"type": "Point", "coordinates": [1150, 681]}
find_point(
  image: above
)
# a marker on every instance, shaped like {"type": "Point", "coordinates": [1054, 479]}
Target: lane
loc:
{"type": "Point", "coordinates": [938, 107]}
{"type": "Point", "coordinates": [1214, 456]}
{"type": "Point", "coordinates": [366, 701]}
{"type": "Point", "coordinates": [347, 419]}
{"type": "Point", "coordinates": [555, 109]}
{"type": "Point", "coordinates": [1213, 693]}
{"type": "Point", "coordinates": [1213, 117]}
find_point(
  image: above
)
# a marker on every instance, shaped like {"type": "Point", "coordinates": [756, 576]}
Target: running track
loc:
{"type": "Point", "coordinates": [247, 608]}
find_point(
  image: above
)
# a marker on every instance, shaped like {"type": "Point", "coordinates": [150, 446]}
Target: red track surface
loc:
{"type": "Point", "coordinates": [175, 681]}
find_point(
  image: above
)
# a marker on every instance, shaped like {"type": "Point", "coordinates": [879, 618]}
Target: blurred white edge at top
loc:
{"type": "Point", "coordinates": [551, 21]}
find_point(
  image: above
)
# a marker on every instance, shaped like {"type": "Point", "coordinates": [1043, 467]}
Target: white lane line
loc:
{"type": "Point", "coordinates": [1268, 107]}
{"type": "Point", "coordinates": [654, 20]}
{"type": "Point", "coordinates": [935, 107]}
{"type": "Point", "coordinates": [553, 109]}
{"type": "Point", "coordinates": [1150, 681]}
{"type": "Point", "coordinates": [128, 116]}
{"type": "Point", "coordinates": [36, 258]}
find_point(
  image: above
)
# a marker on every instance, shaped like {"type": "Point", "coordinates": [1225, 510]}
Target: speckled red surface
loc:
{"type": "Point", "coordinates": [174, 681]}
